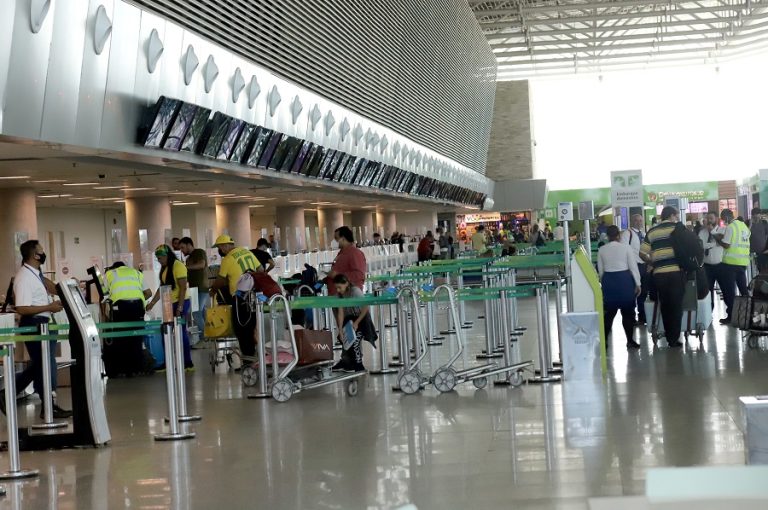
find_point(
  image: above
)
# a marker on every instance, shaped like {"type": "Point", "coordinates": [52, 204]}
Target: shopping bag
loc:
{"type": "Point", "coordinates": [218, 321]}
{"type": "Point", "coordinates": [313, 346]}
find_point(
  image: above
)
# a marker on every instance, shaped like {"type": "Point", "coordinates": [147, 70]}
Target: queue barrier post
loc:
{"type": "Point", "coordinates": [384, 367]}
{"type": "Point", "coordinates": [47, 396]}
{"type": "Point", "coordinates": [261, 352]}
{"type": "Point", "coordinates": [181, 383]}
{"type": "Point", "coordinates": [490, 327]}
{"type": "Point", "coordinates": [542, 311]}
{"type": "Point", "coordinates": [15, 472]}
{"type": "Point", "coordinates": [175, 433]}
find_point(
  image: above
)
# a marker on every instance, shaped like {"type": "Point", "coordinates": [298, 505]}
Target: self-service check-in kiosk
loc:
{"type": "Point", "coordinates": [97, 280]}
{"type": "Point", "coordinates": [89, 420]}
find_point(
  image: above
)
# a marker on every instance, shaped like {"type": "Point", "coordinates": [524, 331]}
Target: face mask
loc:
{"type": "Point", "coordinates": [42, 258]}
{"type": "Point", "coordinates": [221, 253]}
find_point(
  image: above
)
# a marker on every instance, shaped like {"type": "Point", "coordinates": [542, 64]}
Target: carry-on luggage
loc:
{"type": "Point", "coordinates": [694, 323]}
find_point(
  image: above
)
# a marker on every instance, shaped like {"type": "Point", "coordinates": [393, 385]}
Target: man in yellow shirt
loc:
{"type": "Point", "coordinates": [479, 241]}
{"type": "Point", "coordinates": [234, 263]}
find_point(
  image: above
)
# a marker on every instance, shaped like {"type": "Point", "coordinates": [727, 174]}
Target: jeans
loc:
{"type": "Point", "coordinates": [733, 277]}
{"type": "Point", "coordinates": [670, 288]}
{"type": "Point", "coordinates": [203, 302]}
{"type": "Point", "coordinates": [33, 373]}
{"type": "Point", "coordinates": [184, 334]}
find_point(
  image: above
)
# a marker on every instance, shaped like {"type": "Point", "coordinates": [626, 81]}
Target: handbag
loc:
{"type": "Point", "coordinates": [218, 321]}
{"type": "Point", "coordinates": [313, 346]}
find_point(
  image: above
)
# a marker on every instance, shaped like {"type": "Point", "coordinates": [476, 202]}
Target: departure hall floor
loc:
{"type": "Point", "coordinates": [543, 447]}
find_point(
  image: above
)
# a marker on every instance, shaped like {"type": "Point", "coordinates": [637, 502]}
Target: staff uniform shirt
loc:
{"type": "Point", "coordinates": [658, 245]}
{"type": "Point", "coordinates": [478, 242]}
{"type": "Point", "coordinates": [615, 257]}
{"type": "Point", "coordinates": [713, 252]}
{"type": "Point", "coordinates": [29, 289]}
{"type": "Point", "coordinates": [634, 239]}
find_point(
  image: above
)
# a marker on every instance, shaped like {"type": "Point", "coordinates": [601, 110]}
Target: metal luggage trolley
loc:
{"type": "Point", "coordinates": [746, 312]}
{"type": "Point", "coordinates": [446, 377]}
{"type": "Point", "coordinates": [292, 379]}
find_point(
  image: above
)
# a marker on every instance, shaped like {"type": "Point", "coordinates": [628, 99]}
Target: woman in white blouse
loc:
{"type": "Point", "coordinates": [620, 279]}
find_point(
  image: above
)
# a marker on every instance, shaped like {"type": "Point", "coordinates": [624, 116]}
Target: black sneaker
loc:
{"type": "Point", "coordinates": [341, 366]}
{"type": "Point", "coordinates": [633, 345]}
{"type": "Point", "coordinates": [725, 320]}
{"type": "Point", "coordinates": [352, 368]}
{"type": "Point", "coordinates": [676, 343]}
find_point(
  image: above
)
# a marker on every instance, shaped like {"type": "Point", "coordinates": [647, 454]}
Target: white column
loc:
{"type": "Point", "coordinates": [290, 220]}
{"type": "Point", "coordinates": [329, 220]}
{"type": "Point", "coordinates": [362, 221]}
{"type": "Point", "coordinates": [152, 214]}
{"type": "Point", "coordinates": [235, 220]}
{"type": "Point", "coordinates": [18, 214]}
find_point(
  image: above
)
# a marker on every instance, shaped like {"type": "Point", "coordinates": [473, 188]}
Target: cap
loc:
{"type": "Point", "coordinates": [161, 251]}
{"type": "Point", "coordinates": [223, 239]}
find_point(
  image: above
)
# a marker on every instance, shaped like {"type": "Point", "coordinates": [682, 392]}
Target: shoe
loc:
{"type": "Point", "coordinates": [725, 320]}
{"type": "Point", "coordinates": [341, 366]}
{"type": "Point", "coordinates": [2, 401]}
{"type": "Point", "coordinates": [676, 343]}
{"type": "Point", "coordinates": [633, 345]}
{"type": "Point", "coordinates": [58, 413]}
{"type": "Point", "coordinates": [352, 368]}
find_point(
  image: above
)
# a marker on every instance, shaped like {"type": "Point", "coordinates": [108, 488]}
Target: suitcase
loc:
{"type": "Point", "coordinates": [154, 344]}
{"type": "Point", "coordinates": [694, 322]}
{"type": "Point", "coordinates": [741, 316]}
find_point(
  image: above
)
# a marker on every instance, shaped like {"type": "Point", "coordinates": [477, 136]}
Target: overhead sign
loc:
{"type": "Point", "coordinates": [627, 188]}
{"type": "Point", "coordinates": [482, 217]}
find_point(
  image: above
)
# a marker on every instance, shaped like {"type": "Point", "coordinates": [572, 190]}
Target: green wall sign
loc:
{"type": "Point", "coordinates": [693, 191]}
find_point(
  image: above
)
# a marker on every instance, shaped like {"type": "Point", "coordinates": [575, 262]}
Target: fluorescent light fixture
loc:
{"type": "Point", "coordinates": [53, 196]}
{"type": "Point", "coordinates": [411, 210]}
{"type": "Point", "coordinates": [370, 207]}
{"type": "Point", "coordinates": [80, 184]}
{"type": "Point", "coordinates": [185, 203]}
{"type": "Point", "coordinates": [110, 187]}
{"type": "Point", "coordinates": [254, 206]}
{"type": "Point", "coordinates": [222, 195]}
{"type": "Point", "coordinates": [49, 181]}
{"type": "Point", "coordinates": [13, 177]}
{"type": "Point", "coordinates": [83, 198]}
{"type": "Point", "coordinates": [298, 201]}
{"type": "Point", "coordinates": [136, 189]}
{"type": "Point", "coordinates": [260, 199]}
{"type": "Point", "coordinates": [324, 203]}
{"type": "Point", "coordinates": [111, 199]}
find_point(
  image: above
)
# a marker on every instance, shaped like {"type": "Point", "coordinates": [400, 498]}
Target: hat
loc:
{"type": "Point", "coordinates": [223, 239]}
{"type": "Point", "coordinates": [161, 251]}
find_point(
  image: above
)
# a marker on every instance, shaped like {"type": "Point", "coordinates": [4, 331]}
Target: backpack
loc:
{"type": "Point", "coordinates": [689, 251]}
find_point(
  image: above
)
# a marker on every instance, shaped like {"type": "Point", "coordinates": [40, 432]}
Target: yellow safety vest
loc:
{"type": "Point", "coordinates": [125, 283]}
{"type": "Point", "coordinates": [738, 253]}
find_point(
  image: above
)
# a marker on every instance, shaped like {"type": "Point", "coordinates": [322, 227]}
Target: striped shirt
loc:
{"type": "Point", "coordinates": [658, 244]}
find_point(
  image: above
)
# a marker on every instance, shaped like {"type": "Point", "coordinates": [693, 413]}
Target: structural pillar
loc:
{"type": "Point", "coordinates": [148, 222]}
{"type": "Point", "coordinates": [18, 224]}
{"type": "Point", "coordinates": [362, 226]}
{"type": "Point", "coordinates": [329, 220]}
{"type": "Point", "coordinates": [386, 223]}
{"type": "Point", "coordinates": [290, 221]}
{"type": "Point", "coordinates": [234, 220]}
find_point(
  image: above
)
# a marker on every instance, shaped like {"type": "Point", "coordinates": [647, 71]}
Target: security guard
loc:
{"type": "Point", "coordinates": [735, 260]}
{"type": "Point", "coordinates": [124, 356]}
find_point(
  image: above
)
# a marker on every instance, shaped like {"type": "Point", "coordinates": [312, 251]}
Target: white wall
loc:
{"type": "Point", "coordinates": [78, 234]}
{"type": "Point", "coordinates": [417, 222]}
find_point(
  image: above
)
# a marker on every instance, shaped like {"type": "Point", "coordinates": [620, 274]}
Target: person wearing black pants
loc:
{"type": "Point", "coordinates": [713, 254]}
{"type": "Point", "coordinates": [732, 278]}
{"type": "Point", "coordinates": [620, 279]}
{"type": "Point", "coordinates": [668, 281]}
{"type": "Point", "coordinates": [244, 324]}
{"type": "Point", "coordinates": [125, 356]}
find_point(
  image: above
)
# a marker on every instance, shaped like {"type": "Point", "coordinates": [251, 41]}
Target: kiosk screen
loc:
{"type": "Point", "coordinates": [82, 308]}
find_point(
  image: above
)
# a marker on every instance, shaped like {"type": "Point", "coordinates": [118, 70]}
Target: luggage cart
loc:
{"type": "Point", "coordinates": [292, 379]}
{"type": "Point", "coordinates": [411, 379]}
{"type": "Point", "coordinates": [446, 378]}
{"type": "Point", "coordinates": [225, 350]}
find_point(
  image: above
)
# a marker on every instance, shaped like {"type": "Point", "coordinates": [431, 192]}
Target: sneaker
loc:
{"type": "Point", "coordinates": [341, 366]}
{"type": "Point", "coordinates": [633, 345]}
{"type": "Point", "coordinates": [676, 343]}
{"type": "Point", "coordinates": [354, 368]}
{"type": "Point", "coordinates": [725, 320]}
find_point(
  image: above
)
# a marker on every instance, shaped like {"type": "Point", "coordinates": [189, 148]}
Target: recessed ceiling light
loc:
{"type": "Point", "coordinates": [185, 203]}
{"type": "Point", "coordinates": [411, 210]}
{"type": "Point", "coordinates": [110, 187]}
{"type": "Point", "coordinates": [222, 195]}
{"type": "Point", "coordinates": [49, 181]}
{"type": "Point", "coordinates": [324, 203]}
{"type": "Point", "coordinates": [262, 199]}
{"type": "Point", "coordinates": [370, 207]}
{"type": "Point", "coordinates": [254, 206]}
{"type": "Point", "coordinates": [14, 177]}
{"type": "Point", "coordinates": [111, 199]}
{"type": "Point", "coordinates": [80, 184]}
{"type": "Point", "coordinates": [136, 189]}
{"type": "Point", "coordinates": [53, 196]}
{"type": "Point", "coordinates": [298, 201]}
{"type": "Point", "coordinates": [83, 198]}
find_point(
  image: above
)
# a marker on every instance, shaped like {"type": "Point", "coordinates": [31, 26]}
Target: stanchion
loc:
{"type": "Point", "coordinates": [11, 419]}
{"type": "Point", "coordinates": [181, 383]}
{"type": "Point", "coordinates": [451, 326]}
{"type": "Point", "coordinates": [505, 336]}
{"type": "Point", "coordinates": [47, 395]}
{"type": "Point", "coordinates": [490, 331]}
{"type": "Point", "coordinates": [173, 418]}
{"type": "Point", "coordinates": [384, 367]}
{"type": "Point", "coordinates": [567, 255]}
{"type": "Point", "coordinates": [465, 324]}
{"type": "Point", "coordinates": [542, 309]}
{"type": "Point", "coordinates": [402, 337]}
{"type": "Point", "coordinates": [261, 353]}
{"type": "Point", "coordinates": [559, 311]}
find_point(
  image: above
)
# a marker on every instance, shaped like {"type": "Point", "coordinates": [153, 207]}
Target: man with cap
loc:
{"type": "Point", "coordinates": [128, 296]}
{"type": "Point", "coordinates": [236, 261]}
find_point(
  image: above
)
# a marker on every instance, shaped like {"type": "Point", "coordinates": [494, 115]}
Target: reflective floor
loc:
{"type": "Point", "coordinates": [546, 447]}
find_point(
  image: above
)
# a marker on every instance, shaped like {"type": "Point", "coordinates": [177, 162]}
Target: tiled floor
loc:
{"type": "Point", "coordinates": [548, 447]}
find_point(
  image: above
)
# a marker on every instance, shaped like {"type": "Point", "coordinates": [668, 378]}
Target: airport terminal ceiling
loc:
{"type": "Point", "coordinates": [552, 37]}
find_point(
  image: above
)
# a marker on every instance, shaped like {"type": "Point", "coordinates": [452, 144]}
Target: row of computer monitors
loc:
{"type": "Point", "coordinates": [179, 126]}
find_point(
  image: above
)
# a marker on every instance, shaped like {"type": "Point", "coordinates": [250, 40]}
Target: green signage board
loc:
{"type": "Point", "coordinates": [693, 191]}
